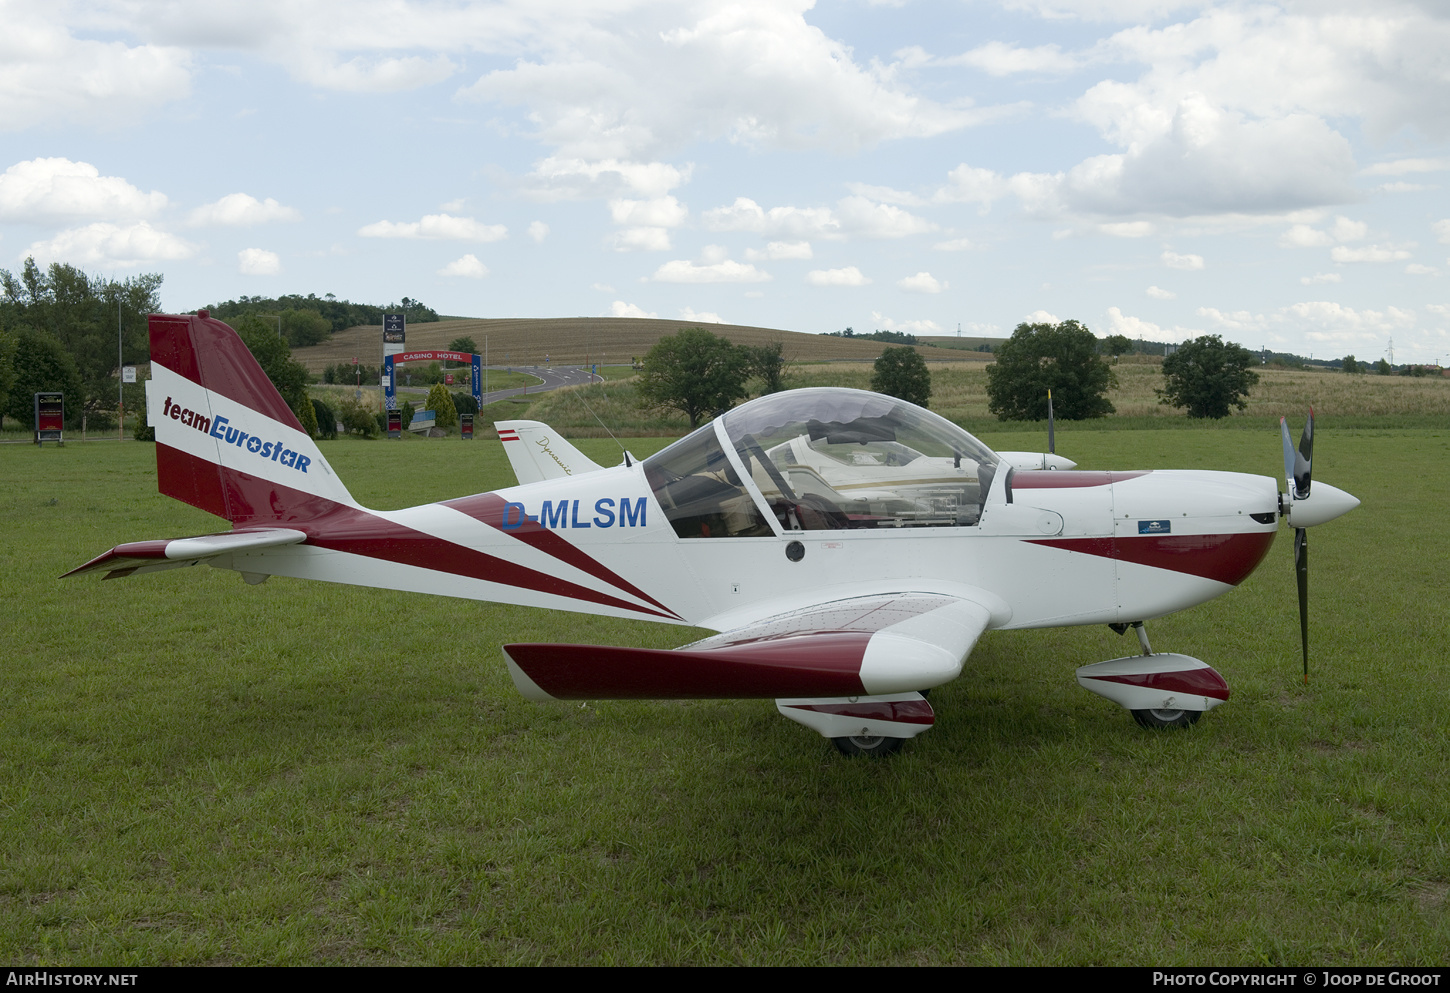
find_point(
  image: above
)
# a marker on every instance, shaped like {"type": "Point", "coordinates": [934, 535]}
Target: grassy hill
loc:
{"type": "Point", "coordinates": [576, 340]}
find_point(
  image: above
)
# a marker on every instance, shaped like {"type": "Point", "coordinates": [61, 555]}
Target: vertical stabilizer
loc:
{"type": "Point", "coordinates": [226, 441]}
{"type": "Point", "coordinates": [537, 452]}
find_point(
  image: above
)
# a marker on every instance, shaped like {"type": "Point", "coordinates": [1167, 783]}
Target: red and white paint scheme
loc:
{"type": "Point", "coordinates": [849, 548]}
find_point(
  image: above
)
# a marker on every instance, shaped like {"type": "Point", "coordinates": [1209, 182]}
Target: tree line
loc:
{"type": "Point", "coordinates": [63, 330]}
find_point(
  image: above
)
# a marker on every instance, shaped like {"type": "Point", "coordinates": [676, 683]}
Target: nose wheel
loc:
{"type": "Point", "coordinates": [1167, 718]}
{"type": "Point", "coordinates": [873, 746]}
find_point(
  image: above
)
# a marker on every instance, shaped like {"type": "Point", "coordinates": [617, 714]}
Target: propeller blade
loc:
{"type": "Point", "coordinates": [1301, 571]}
{"type": "Point", "coordinates": [1051, 443]}
{"type": "Point", "coordinates": [1303, 464]}
{"type": "Point", "coordinates": [1297, 462]}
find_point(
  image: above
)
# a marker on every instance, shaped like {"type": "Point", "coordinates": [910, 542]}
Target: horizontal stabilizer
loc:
{"type": "Point", "coordinates": [152, 556]}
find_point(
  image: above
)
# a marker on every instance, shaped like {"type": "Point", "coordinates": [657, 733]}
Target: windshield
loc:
{"type": "Point", "coordinates": [838, 459]}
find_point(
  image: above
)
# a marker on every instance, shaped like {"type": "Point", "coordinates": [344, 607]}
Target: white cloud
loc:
{"type": "Point", "coordinates": [241, 210]}
{"type": "Point", "coordinates": [641, 240]}
{"type": "Point", "coordinates": [258, 262]}
{"type": "Point", "coordinates": [538, 231]}
{"type": "Point", "coordinates": [1405, 187]}
{"type": "Point", "coordinates": [621, 309]}
{"type": "Point", "coordinates": [910, 327]}
{"type": "Point", "coordinates": [106, 244]}
{"type": "Point", "coordinates": [853, 216]}
{"type": "Point", "coordinates": [1442, 231]}
{"type": "Point", "coordinates": [564, 178]}
{"type": "Point", "coordinates": [849, 276]}
{"type": "Point", "coordinates": [922, 282]}
{"type": "Point", "coordinates": [1133, 327]}
{"type": "Point", "coordinates": [727, 271]}
{"type": "Point", "coordinates": [1416, 269]}
{"type": "Point", "coordinates": [436, 226]}
{"type": "Point", "coordinates": [1128, 229]}
{"type": "Point", "coordinates": [1370, 253]}
{"type": "Point", "coordinates": [374, 75]}
{"type": "Point", "coordinates": [607, 84]}
{"type": "Point", "coordinates": [701, 317]}
{"type": "Point", "coordinates": [1400, 167]}
{"type": "Point", "coordinates": [1041, 317]}
{"type": "Point", "coordinates": [776, 251]}
{"type": "Point", "coordinates": [48, 76]}
{"type": "Point", "coordinates": [58, 189]}
{"type": "Point", "coordinates": [1000, 59]}
{"type": "Point", "coordinates": [661, 212]}
{"type": "Point", "coordinates": [954, 245]}
{"type": "Point", "coordinates": [601, 287]}
{"type": "Point", "coordinates": [1175, 261]}
{"type": "Point", "coordinates": [1161, 294]}
{"type": "Point", "coordinates": [1320, 277]}
{"type": "Point", "coordinates": [468, 266]}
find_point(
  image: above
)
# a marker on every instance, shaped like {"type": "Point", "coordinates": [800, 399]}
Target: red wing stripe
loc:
{"type": "Point", "coordinates": [489, 508]}
{"type": "Point", "coordinates": [827, 665]}
{"type": "Point", "coordinates": [1227, 558]}
{"type": "Point", "coordinates": [1200, 682]}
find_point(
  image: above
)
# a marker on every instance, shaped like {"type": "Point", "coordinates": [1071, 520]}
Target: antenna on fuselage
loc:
{"type": "Point", "coordinates": [580, 394]}
{"type": "Point", "coordinates": [1051, 443]}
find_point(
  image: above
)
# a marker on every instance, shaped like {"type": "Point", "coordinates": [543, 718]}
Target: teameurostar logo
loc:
{"type": "Point", "coordinates": [218, 428]}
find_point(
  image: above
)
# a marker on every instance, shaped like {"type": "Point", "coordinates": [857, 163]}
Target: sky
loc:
{"type": "Point", "coordinates": [1270, 172]}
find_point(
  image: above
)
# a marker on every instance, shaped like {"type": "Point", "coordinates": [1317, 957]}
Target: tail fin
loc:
{"type": "Point", "coordinates": [226, 441]}
{"type": "Point", "coordinates": [536, 452]}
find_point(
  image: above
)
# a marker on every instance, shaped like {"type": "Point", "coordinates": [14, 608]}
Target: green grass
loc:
{"type": "Point", "coordinates": [201, 772]}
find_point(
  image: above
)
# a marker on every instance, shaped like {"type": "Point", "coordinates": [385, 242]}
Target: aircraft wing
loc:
{"type": "Point", "coordinates": [154, 556]}
{"type": "Point", "coordinates": [864, 646]}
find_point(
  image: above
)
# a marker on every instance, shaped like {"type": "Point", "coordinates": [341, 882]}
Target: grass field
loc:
{"type": "Point", "coordinates": [201, 772]}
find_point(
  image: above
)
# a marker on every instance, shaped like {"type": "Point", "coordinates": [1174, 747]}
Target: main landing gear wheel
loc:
{"type": "Point", "coordinates": [1167, 718]}
{"type": "Point", "coordinates": [875, 746]}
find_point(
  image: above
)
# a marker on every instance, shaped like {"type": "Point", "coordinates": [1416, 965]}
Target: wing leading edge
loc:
{"type": "Point", "coordinates": [866, 646]}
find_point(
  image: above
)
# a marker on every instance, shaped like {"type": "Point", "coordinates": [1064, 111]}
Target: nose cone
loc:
{"type": "Point", "coordinates": [1324, 503]}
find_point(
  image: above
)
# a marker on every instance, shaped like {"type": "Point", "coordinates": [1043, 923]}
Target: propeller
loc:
{"type": "Point", "coordinates": [1298, 474]}
{"type": "Point", "coordinates": [1328, 503]}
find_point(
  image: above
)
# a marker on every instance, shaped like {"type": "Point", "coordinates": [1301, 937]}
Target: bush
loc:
{"type": "Point", "coordinates": [464, 403]}
{"type": "Point", "coordinates": [445, 415]}
{"type": "Point", "coordinates": [326, 420]}
{"type": "Point", "coordinates": [357, 416]}
{"type": "Point", "coordinates": [307, 416]}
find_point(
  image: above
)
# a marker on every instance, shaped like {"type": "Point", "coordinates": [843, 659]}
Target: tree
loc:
{"type": "Point", "coordinates": [1383, 368]}
{"type": "Point", "coordinates": [902, 373]}
{"type": "Point", "coordinates": [42, 365]}
{"type": "Point", "coordinates": [83, 312]}
{"type": "Point", "coordinates": [275, 357]}
{"type": "Point", "coordinates": [1117, 344]}
{"type": "Point", "coordinates": [1207, 376]}
{"type": "Point", "coordinates": [1062, 358]}
{"type": "Point", "coordinates": [1350, 364]}
{"type": "Point", "coordinates": [445, 415]}
{"type": "Point", "coordinates": [465, 345]}
{"type": "Point", "coordinates": [767, 364]}
{"type": "Point", "coordinates": [694, 372]}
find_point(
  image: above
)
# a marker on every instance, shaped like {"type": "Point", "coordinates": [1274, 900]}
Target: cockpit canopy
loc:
{"type": "Point", "coordinates": [821, 459]}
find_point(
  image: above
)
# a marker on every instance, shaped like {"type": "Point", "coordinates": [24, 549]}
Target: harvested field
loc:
{"type": "Point", "coordinates": [576, 340]}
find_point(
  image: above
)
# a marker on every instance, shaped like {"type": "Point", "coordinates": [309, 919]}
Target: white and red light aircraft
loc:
{"type": "Point", "coordinates": [849, 548]}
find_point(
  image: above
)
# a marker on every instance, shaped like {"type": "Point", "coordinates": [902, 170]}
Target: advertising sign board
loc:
{"type": "Point", "coordinates": [49, 417]}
